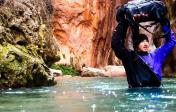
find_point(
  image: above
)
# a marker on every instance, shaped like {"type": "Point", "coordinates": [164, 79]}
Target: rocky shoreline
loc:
{"type": "Point", "coordinates": [107, 71]}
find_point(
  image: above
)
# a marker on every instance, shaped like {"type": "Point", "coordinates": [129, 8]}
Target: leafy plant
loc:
{"type": "Point", "coordinates": [66, 69]}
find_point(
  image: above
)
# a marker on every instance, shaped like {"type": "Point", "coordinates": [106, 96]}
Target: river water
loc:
{"type": "Point", "coordinates": [90, 95]}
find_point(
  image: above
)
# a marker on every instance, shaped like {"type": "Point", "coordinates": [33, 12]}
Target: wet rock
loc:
{"type": "Point", "coordinates": [24, 44]}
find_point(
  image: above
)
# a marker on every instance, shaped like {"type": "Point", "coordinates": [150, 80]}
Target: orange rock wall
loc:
{"type": "Point", "coordinates": [83, 29]}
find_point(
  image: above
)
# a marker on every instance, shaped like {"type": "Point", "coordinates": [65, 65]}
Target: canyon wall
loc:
{"type": "Point", "coordinates": [83, 29]}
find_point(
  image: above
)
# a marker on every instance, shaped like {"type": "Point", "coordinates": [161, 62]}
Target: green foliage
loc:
{"type": "Point", "coordinates": [66, 69]}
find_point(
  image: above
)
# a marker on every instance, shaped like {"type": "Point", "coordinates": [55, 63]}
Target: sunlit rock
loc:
{"type": "Point", "coordinates": [114, 71]}
{"type": "Point", "coordinates": [92, 72]}
{"type": "Point", "coordinates": [107, 71]}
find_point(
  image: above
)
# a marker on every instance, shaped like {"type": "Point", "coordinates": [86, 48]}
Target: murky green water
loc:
{"type": "Point", "coordinates": [91, 95]}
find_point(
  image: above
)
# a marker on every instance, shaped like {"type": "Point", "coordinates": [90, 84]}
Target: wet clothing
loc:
{"type": "Point", "coordinates": [143, 69]}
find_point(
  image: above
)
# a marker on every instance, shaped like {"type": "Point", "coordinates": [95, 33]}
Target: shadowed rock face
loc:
{"type": "Point", "coordinates": [24, 43]}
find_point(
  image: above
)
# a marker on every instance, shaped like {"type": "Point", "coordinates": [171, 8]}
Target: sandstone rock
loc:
{"type": "Point", "coordinates": [83, 29]}
{"type": "Point", "coordinates": [114, 71]}
{"type": "Point", "coordinates": [92, 72]}
{"type": "Point", "coordinates": [107, 71]}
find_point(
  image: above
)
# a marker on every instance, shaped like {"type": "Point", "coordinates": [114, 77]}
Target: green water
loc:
{"type": "Point", "coordinates": [90, 95]}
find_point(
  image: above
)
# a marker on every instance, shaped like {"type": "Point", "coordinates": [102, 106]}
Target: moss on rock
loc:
{"type": "Point", "coordinates": [19, 68]}
{"type": "Point", "coordinates": [24, 44]}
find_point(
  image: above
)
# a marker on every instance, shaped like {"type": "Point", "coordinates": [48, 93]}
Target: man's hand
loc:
{"type": "Point", "coordinates": [140, 17]}
{"type": "Point", "coordinates": [120, 16]}
{"type": "Point", "coordinates": [164, 21]}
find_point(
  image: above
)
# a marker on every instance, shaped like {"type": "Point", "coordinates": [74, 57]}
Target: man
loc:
{"type": "Point", "coordinates": [143, 68]}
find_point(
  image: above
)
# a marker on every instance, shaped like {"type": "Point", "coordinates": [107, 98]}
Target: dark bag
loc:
{"type": "Point", "coordinates": [155, 9]}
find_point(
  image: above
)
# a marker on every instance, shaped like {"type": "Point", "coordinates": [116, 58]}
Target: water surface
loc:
{"type": "Point", "coordinates": [90, 95]}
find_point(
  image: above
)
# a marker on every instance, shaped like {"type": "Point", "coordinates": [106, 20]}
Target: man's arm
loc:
{"type": "Point", "coordinates": [168, 45]}
{"type": "Point", "coordinates": [119, 34]}
{"type": "Point", "coordinates": [118, 40]}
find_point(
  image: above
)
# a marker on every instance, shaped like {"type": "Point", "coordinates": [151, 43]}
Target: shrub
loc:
{"type": "Point", "coordinates": [66, 69]}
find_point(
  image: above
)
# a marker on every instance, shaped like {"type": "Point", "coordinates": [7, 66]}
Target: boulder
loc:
{"type": "Point", "coordinates": [55, 72]}
{"type": "Point", "coordinates": [107, 71]}
{"type": "Point", "coordinates": [115, 71]}
{"type": "Point", "coordinates": [24, 44]}
{"type": "Point", "coordinates": [92, 72]}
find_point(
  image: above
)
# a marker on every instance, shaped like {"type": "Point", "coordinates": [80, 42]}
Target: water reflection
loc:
{"type": "Point", "coordinates": [90, 95]}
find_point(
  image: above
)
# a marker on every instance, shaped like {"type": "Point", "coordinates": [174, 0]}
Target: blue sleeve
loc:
{"type": "Point", "coordinates": [167, 32]}
{"type": "Point", "coordinates": [168, 45]}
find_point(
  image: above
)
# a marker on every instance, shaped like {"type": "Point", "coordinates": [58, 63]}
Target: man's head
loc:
{"type": "Point", "coordinates": [142, 43]}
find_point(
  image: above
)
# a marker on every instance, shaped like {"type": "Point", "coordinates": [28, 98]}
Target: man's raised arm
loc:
{"type": "Point", "coordinates": [119, 34]}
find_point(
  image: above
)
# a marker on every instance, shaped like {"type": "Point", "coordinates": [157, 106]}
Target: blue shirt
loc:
{"type": "Point", "coordinates": [155, 59]}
